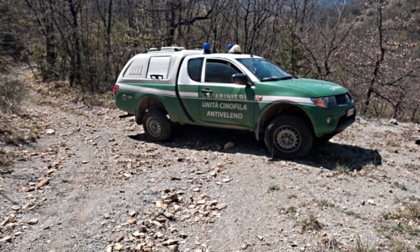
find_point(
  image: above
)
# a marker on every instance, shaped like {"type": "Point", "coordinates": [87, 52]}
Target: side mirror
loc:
{"type": "Point", "coordinates": [240, 79]}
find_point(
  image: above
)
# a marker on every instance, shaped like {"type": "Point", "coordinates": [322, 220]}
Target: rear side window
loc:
{"type": "Point", "coordinates": [194, 69]}
{"type": "Point", "coordinates": [137, 69]}
{"type": "Point", "coordinates": [159, 67]}
{"type": "Point", "coordinates": [220, 71]}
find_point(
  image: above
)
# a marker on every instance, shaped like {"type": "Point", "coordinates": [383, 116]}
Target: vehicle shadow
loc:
{"type": "Point", "coordinates": [346, 158]}
{"type": "Point", "coordinates": [211, 139]}
{"type": "Point", "coordinates": [332, 156]}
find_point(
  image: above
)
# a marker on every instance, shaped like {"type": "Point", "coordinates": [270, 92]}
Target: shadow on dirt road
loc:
{"type": "Point", "coordinates": [332, 156]}
{"type": "Point", "coordinates": [335, 156]}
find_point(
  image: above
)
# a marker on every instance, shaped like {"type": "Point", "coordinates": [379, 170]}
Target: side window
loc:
{"type": "Point", "coordinates": [220, 71]}
{"type": "Point", "coordinates": [194, 69]}
{"type": "Point", "coordinates": [159, 67]}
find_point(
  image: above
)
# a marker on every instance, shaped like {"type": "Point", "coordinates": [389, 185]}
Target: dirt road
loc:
{"type": "Point", "coordinates": [93, 182]}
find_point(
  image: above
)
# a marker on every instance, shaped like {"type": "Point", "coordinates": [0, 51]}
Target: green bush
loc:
{"type": "Point", "coordinates": [12, 93]}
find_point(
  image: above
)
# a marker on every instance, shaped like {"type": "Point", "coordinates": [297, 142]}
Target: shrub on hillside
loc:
{"type": "Point", "coordinates": [12, 93]}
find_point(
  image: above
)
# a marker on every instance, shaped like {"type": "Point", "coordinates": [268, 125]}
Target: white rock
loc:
{"type": "Point", "coordinates": [139, 234]}
{"type": "Point", "coordinates": [393, 122]}
{"type": "Point", "coordinates": [132, 213]}
{"type": "Point", "coordinates": [201, 202]}
{"type": "Point", "coordinates": [131, 221]}
{"type": "Point", "coordinates": [227, 180]}
{"type": "Point", "coordinates": [16, 207]}
{"type": "Point", "coordinates": [159, 235]}
{"type": "Point", "coordinates": [118, 246]}
{"type": "Point", "coordinates": [33, 221]}
{"type": "Point", "coordinates": [6, 239]}
{"type": "Point", "coordinates": [170, 242]}
{"type": "Point", "coordinates": [221, 206]}
{"type": "Point", "coordinates": [109, 248]}
{"type": "Point", "coordinates": [371, 202]}
{"type": "Point", "coordinates": [50, 131]}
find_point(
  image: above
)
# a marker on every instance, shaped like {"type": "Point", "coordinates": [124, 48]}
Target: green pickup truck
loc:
{"type": "Point", "coordinates": [235, 91]}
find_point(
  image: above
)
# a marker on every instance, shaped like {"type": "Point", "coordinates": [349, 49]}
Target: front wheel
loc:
{"type": "Point", "coordinates": [288, 137]}
{"type": "Point", "coordinates": [156, 125]}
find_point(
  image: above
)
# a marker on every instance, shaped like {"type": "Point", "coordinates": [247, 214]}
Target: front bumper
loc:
{"type": "Point", "coordinates": [344, 122]}
{"type": "Point", "coordinates": [331, 121]}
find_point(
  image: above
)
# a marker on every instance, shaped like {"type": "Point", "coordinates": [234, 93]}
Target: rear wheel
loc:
{"type": "Point", "coordinates": [288, 137]}
{"type": "Point", "coordinates": [156, 125]}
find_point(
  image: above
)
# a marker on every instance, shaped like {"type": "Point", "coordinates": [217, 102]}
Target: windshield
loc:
{"type": "Point", "coordinates": [264, 70]}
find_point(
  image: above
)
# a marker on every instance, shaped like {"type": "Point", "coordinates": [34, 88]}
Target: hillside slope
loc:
{"type": "Point", "coordinates": [93, 182]}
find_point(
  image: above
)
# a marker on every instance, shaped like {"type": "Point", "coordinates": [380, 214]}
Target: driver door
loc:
{"type": "Point", "coordinates": [220, 100]}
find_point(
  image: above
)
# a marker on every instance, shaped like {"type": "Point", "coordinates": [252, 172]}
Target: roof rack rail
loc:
{"type": "Point", "coordinates": [172, 48]}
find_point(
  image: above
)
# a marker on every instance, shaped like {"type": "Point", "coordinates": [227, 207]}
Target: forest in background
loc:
{"type": "Point", "coordinates": [370, 46]}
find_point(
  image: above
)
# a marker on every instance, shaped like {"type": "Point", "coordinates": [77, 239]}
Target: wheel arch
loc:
{"type": "Point", "coordinates": [145, 104]}
{"type": "Point", "coordinates": [280, 109]}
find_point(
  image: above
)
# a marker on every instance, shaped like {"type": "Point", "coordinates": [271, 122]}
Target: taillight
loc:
{"type": "Point", "coordinates": [116, 87]}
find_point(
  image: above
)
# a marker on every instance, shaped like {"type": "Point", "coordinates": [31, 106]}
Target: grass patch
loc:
{"type": "Point", "coordinates": [62, 91]}
{"type": "Point", "coordinates": [391, 143]}
{"type": "Point", "coordinates": [292, 196]}
{"type": "Point", "coordinates": [4, 161]}
{"type": "Point", "coordinates": [37, 125]}
{"type": "Point", "coordinates": [403, 187]}
{"type": "Point", "coordinates": [47, 101]}
{"type": "Point", "coordinates": [15, 140]}
{"type": "Point", "coordinates": [362, 246]}
{"type": "Point", "coordinates": [310, 223]}
{"type": "Point", "coordinates": [273, 188]}
{"type": "Point", "coordinates": [289, 210]}
{"type": "Point", "coordinates": [399, 245]}
{"type": "Point", "coordinates": [327, 245]}
{"type": "Point", "coordinates": [343, 169]}
{"type": "Point", "coordinates": [353, 214]}
{"type": "Point", "coordinates": [368, 167]}
{"type": "Point", "coordinates": [411, 214]}
{"type": "Point", "coordinates": [386, 215]}
{"type": "Point", "coordinates": [33, 135]}
{"type": "Point", "coordinates": [405, 228]}
{"type": "Point", "coordinates": [324, 203]}
{"type": "Point", "coordinates": [5, 158]}
{"type": "Point", "coordinates": [12, 93]}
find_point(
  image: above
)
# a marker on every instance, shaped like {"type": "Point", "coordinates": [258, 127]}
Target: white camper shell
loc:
{"type": "Point", "coordinates": [160, 66]}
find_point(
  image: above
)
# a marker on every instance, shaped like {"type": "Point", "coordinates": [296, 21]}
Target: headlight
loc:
{"type": "Point", "coordinates": [325, 102]}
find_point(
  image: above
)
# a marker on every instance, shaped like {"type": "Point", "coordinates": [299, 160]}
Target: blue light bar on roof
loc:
{"type": "Point", "coordinates": [206, 47]}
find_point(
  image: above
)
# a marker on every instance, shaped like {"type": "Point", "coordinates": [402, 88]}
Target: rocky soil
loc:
{"type": "Point", "coordinates": [82, 179]}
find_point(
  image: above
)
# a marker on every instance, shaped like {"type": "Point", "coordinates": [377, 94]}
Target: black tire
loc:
{"type": "Point", "coordinates": [156, 125]}
{"type": "Point", "coordinates": [288, 137]}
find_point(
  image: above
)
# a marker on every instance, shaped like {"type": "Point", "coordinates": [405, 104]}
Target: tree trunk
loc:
{"type": "Point", "coordinates": [108, 65]}
{"type": "Point", "coordinates": [379, 61]}
{"type": "Point", "coordinates": [76, 68]}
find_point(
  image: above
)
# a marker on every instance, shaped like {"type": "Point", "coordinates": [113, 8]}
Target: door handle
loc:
{"type": "Point", "coordinates": [206, 91]}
